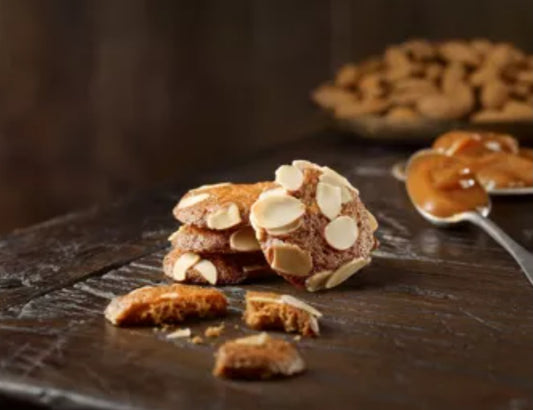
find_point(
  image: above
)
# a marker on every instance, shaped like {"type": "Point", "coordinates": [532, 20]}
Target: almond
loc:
{"type": "Point", "coordinates": [290, 259]}
{"type": "Point", "coordinates": [207, 270]}
{"type": "Point", "coordinates": [341, 233]}
{"type": "Point", "coordinates": [243, 240]}
{"type": "Point", "coordinates": [191, 200]}
{"type": "Point", "coordinates": [275, 211]}
{"type": "Point", "coordinates": [254, 340]}
{"type": "Point", "coordinates": [289, 177]}
{"type": "Point", "coordinates": [317, 281]}
{"type": "Point", "coordinates": [329, 199]}
{"type": "Point", "coordinates": [224, 218]}
{"type": "Point", "coordinates": [184, 262]}
{"type": "Point", "coordinates": [345, 271]}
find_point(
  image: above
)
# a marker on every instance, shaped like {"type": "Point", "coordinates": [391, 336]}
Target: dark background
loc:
{"type": "Point", "coordinates": [99, 98]}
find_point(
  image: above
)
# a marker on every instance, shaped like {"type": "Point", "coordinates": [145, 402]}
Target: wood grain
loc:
{"type": "Point", "coordinates": [441, 319]}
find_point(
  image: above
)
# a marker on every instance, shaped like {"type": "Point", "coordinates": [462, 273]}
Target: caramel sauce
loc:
{"type": "Point", "coordinates": [496, 159]}
{"type": "Point", "coordinates": [443, 186]}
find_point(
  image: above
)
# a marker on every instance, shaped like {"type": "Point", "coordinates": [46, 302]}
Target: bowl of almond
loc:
{"type": "Point", "coordinates": [419, 88]}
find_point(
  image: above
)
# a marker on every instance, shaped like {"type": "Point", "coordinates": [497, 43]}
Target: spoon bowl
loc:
{"type": "Point", "coordinates": [479, 217]}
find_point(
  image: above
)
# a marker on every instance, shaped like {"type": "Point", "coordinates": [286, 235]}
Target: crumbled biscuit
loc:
{"type": "Point", "coordinates": [257, 357]}
{"type": "Point", "coordinates": [268, 310]}
{"type": "Point", "coordinates": [214, 331]}
{"type": "Point", "coordinates": [197, 340]}
{"type": "Point", "coordinates": [155, 305]}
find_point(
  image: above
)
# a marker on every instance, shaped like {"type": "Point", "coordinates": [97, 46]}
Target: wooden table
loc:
{"type": "Point", "coordinates": [441, 319]}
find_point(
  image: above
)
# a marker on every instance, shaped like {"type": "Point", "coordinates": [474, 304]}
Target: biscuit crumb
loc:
{"type": "Point", "coordinates": [214, 331]}
{"type": "Point", "coordinates": [160, 305]}
{"type": "Point", "coordinates": [185, 332]}
{"type": "Point", "coordinates": [268, 310]}
{"type": "Point", "coordinates": [257, 357]}
{"type": "Point", "coordinates": [297, 338]}
{"type": "Point", "coordinates": [197, 340]}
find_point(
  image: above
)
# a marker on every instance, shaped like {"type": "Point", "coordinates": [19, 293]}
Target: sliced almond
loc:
{"type": "Point", "coordinates": [313, 324]}
{"type": "Point", "coordinates": [243, 240]}
{"type": "Point", "coordinates": [291, 259]}
{"type": "Point", "coordinates": [284, 230]}
{"type": "Point", "coordinates": [300, 304]}
{"type": "Point", "coordinates": [210, 186]}
{"type": "Point", "coordinates": [186, 332]}
{"type": "Point", "coordinates": [273, 191]}
{"type": "Point", "coordinates": [224, 218]}
{"type": "Point", "coordinates": [332, 177]}
{"type": "Point", "coordinates": [289, 177]}
{"type": "Point", "coordinates": [172, 236]}
{"type": "Point", "coordinates": [345, 271]}
{"type": "Point", "coordinates": [329, 199]}
{"type": "Point", "coordinates": [191, 200]}
{"type": "Point", "coordinates": [254, 340]}
{"type": "Point", "coordinates": [302, 164]}
{"type": "Point", "coordinates": [184, 262]}
{"type": "Point", "coordinates": [372, 221]}
{"type": "Point", "coordinates": [275, 211]}
{"type": "Point", "coordinates": [346, 194]}
{"type": "Point", "coordinates": [318, 281]}
{"type": "Point", "coordinates": [341, 233]}
{"type": "Point", "coordinates": [207, 270]}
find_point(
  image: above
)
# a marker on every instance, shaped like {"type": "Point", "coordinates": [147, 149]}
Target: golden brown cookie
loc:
{"type": "Point", "coordinates": [154, 305]}
{"type": "Point", "coordinates": [220, 206]}
{"type": "Point", "coordinates": [268, 310]}
{"type": "Point", "coordinates": [314, 230]}
{"type": "Point", "coordinates": [214, 269]}
{"type": "Point", "coordinates": [257, 357]}
{"type": "Point", "coordinates": [194, 239]}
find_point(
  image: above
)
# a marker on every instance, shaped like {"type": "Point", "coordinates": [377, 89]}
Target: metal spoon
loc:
{"type": "Point", "coordinates": [479, 217]}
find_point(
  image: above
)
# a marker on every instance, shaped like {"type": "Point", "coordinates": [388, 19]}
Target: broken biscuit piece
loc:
{"type": "Point", "coordinates": [268, 310]}
{"type": "Point", "coordinates": [155, 305]}
{"type": "Point", "coordinates": [257, 357]}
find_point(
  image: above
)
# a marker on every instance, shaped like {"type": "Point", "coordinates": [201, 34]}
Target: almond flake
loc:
{"type": "Point", "coordinates": [372, 221]}
{"type": "Point", "coordinates": [317, 281]}
{"type": "Point", "coordinates": [191, 200]}
{"type": "Point", "coordinates": [329, 199]}
{"type": "Point", "coordinates": [302, 164]}
{"type": "Point", "coordinates": [284, 230]}
{"type": "Point", "coordinates": [289, 177]}
{"type": "Point", "coordinates": [275, 211]}
{"type": "Point", "coordinates": [224, 218]}
{"type": "Point", "coordinates": [207, 270]}
{"type": "Point", "coordinates": [186, 332]}
{"type": "Point", "coordinates": [291, 259]}
{"type": "Point", "coordinates": [244, 240]}
{"type": "Point", "coordinates": [341, 233]}
{"type": "Point", "coordinates": [345, 271]}
{"type": "Point", "coordinates": [297, 303]}
{"type": "Point", "coordinates": [254, 340]}
{"type": "Point", "coordinates": [184, 262]}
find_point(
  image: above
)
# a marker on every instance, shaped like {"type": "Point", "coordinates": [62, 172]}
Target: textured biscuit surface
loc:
{"type": "Point", "coordinates": [301, 252]}
{"type": "Point", "coordinates": [268, 310]}
{"type": "Point", "coordinates": [198, 206]}
{"type": "Point", "coordinates": [257, 357]}
{"type": "Point", "coordinates": [230, 268]}
{"type": "Point", "coordinates": [193, 239]}
{"type": "Point", "coordinates": [154, 305]}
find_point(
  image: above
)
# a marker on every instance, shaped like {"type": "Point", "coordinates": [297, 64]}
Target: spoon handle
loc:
{"type": "Point", "coordinates": [521, 255]}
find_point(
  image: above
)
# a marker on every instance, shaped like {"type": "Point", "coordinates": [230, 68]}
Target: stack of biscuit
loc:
{"type": "Point", "coordinates": [309, 226]}
{"type": "Point", "coordinates": [216, 244]}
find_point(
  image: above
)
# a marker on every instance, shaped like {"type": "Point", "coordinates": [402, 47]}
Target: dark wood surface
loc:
{"type": "Point", "coordinates": [441, 318]}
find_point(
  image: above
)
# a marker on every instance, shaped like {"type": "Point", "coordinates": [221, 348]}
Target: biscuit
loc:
{"type": "Point", "coordinates": [214, 269]}
{"type": "Point", "coordinates": [257, 357]}
{"type": "Point", "coordinates": [198, 240]}
{"type": "Point", "coordinates": [268, 310]}
{"type": "Point", "coordinates": [155, 305]}
{"type": "Point", "coordinates": [314, 230]}
{"type": "Point", "coordinates": [220, 206]}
